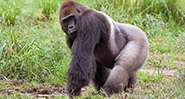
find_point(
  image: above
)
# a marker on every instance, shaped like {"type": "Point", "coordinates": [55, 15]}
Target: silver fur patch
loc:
{"type": "Point", "coordinates": [112, 42]}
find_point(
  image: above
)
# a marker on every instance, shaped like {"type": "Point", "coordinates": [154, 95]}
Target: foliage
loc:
{"type": "Point", "coordinates": [9, 11]}
{"type": "Point", "coordinates": [167, 9]}
{"type": "Point", "coordinates": [48, 7]}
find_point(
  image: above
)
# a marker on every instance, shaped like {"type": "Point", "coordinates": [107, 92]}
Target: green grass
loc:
{"type": "Point", "coordinates": [48, 7]}
{"type": "Point", "coordinates": [9, 11]}
{"type": "Point", "coordinates": [33, 47]}
{"type": "Point", "coordinates": [144, 77]}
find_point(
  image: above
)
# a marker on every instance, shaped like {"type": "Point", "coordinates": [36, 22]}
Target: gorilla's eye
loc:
{"type": "Point", "coordinates": [78, 10]}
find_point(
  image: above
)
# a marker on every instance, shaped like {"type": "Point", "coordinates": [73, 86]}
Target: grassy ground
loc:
{"type": "Point", "coordinates": [34, 56]}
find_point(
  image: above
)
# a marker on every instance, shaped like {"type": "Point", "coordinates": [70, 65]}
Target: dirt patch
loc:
{"type": "Point", "coordinates": [18, 87]}
{"type": "Point", "coordinates": [46, 90]}
{"type": "Point", "coordinates": [180, 64]}
{"type": "Point", "coordinates": [163, 72]}
{"type": "Point", "coordinates": [10, 87]}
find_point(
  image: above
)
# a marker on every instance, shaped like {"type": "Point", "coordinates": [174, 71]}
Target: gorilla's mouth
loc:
{"type": "Point", "coordinates": [72, 31]}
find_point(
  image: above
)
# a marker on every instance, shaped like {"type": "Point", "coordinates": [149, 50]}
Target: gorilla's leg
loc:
{"type": "Point", "coordinates": [101, 76]}
{"type": "Point", "coordinates": [127, 62]}
{"type": "Point", "coordinates": [116, 81]}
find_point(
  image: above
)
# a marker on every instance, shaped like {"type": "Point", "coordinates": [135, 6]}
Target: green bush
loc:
{"type": "Point", "coordinates": [168, 9]}
{"type": "Point", "coordinates": [27, 53]}
{"type": "Point", "coordinates": [27, 61]}
{"type": "Point", "coordinates": [9, 11]}
{"type": "Point", "coordinates": [48, 7]}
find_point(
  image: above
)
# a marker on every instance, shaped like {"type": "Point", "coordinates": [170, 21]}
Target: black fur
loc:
{"type": "Point", "coordinates": [83, 65]}
{"type": "Point", "coordinates": [101, 76]}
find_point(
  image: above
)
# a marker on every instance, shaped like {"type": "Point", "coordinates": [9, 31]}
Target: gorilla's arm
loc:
{"type": "Point", "coordinates": [83, 65]}
{"type": "Point", "coordinates": [135, 51]}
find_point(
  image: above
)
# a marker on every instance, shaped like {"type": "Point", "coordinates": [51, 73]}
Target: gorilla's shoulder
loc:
{"type": "Point", "coordinates": [132, 31]}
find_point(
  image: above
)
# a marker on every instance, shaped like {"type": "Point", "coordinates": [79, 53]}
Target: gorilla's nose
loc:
{"type": "Point", "coordinates": [70, 27]}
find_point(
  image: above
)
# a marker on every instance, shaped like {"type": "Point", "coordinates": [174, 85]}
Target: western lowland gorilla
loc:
{"type": "Point", "coordinates": [103, 51]}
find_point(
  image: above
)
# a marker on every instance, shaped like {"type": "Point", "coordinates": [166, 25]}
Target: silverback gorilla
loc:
{"type": "Point", "coordinates": [107, 52]}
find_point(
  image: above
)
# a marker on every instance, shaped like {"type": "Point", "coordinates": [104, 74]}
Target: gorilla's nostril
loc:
{"type": "Point", "coordinates": [71, 27]}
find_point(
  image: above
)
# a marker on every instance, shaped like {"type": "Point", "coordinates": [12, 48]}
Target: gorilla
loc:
{"type": "Point", "coordinates": [103, 51]}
